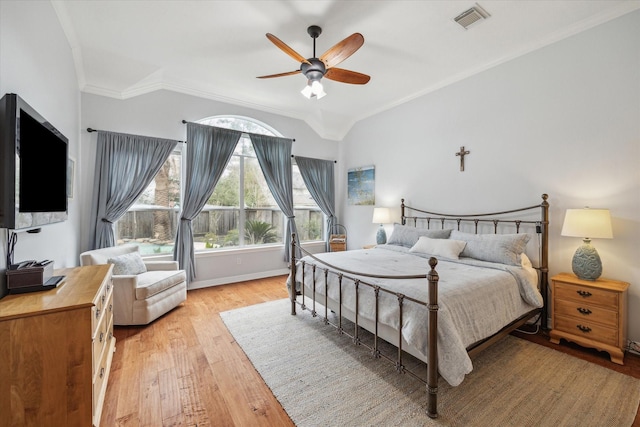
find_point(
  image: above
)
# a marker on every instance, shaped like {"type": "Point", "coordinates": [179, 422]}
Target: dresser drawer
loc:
{"type": "Point", "coordinates": [586, 294]}
{"type": "Point", "coordinates": [103, 333]}
{"type": "Point", "coordinates": [586, 329]}
{"type": "Point", "coordinates": [586, 312]}
{"type": "Point", "coordinates": [99, 303]}
{"type": "Point", "coordinates": [99, 379]}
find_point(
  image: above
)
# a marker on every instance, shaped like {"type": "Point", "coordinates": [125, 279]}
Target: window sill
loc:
{"type": "Point", "coordinates": [212, 253]}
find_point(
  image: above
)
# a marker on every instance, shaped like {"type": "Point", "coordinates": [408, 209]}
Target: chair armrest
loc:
{"type": "Point", "coordinates": [126, 280]}
{"type": "Point", "coordinates": [124, 294]}
{"type": "Point", "coordinates": [161, 265]}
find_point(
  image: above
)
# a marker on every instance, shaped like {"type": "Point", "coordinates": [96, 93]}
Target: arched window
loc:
{"type": "Point", "coordinates": [241, 211]}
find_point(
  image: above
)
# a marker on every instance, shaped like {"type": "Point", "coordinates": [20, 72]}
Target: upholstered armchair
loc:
{"type": "Point", "coordinates": [142, 290]}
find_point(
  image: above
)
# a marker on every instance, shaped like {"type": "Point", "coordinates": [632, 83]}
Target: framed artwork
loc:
{"type": "Point", "coordinates": [71, 165]}
{"type": "Point", "coordinates": [361, 186]}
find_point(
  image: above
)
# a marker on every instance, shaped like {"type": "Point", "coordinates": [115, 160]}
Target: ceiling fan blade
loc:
{"type": "Point", "coordinates": [342, 50]}
{"type": "Point", "coordinates": [288, 73]}
{"type": "Point", "coordinates": [346, 76]}
{"type": "Point", "coordinates": [286, 49]}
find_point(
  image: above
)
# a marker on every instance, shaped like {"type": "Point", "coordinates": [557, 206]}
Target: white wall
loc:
{"type": "Point", "coordinates": [36, 63]}
{"type": "Point", "coordinates": [564, 120]}
{"type": "Point", "coordinates": [160, 114]}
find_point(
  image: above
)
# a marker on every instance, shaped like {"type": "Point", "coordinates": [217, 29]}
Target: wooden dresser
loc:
{"type": "Point", "coordinates": [56, 348]}
{"type": "Point", "coordinates": [590, 313]}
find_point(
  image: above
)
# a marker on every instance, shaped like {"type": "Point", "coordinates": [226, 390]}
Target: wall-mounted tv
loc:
{"type": "Point", "coordinates": [33, 183]}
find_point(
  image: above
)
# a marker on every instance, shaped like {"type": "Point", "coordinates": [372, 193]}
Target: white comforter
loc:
{"type": "Point", "coordinates": [476, 299]}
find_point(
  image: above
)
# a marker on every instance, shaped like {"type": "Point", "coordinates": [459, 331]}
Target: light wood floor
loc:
{"type": "Point", "coordinates": [185, 369]}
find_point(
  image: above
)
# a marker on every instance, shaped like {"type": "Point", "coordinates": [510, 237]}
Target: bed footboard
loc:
{"type": "Point", "coordinates": [431, 305]}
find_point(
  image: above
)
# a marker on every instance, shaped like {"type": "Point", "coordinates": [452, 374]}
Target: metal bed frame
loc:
{"type": "Point", "coordinates": [416, 215]}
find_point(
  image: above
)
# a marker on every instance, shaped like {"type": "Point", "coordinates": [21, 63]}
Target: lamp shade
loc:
{"type": "Point", "coordinates": [381, 216]}
{"type": "Point", "coordinates": [590, 223]}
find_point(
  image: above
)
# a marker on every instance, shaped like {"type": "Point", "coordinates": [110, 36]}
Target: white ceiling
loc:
{"type": "Point", "coordinates": [215, 49]}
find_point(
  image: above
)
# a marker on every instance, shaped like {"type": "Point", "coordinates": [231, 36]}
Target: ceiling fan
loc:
{"type": "Point", "coordinates": [314, 69]}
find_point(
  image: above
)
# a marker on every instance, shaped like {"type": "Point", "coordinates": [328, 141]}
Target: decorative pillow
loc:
{"type": "Point", "coordinates": [445, 248]}
{"type": "Point", "coordinates": [127, 264]}
{"type": "Point", "coordinates": [405, 235]}
{"type": "Point", "coordinates": [525, 261]}
{"type": "Point", "coordinates": [500, 248]}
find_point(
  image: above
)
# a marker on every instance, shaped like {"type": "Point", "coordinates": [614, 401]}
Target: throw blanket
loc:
{"type": "Point", "coordinates": [476, 299]}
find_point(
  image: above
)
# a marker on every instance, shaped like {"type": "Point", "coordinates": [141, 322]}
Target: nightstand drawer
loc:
{"type": "Point", "coordinates": [586, 294]}
{"type": "Point", "coordinates": [588, 312]}
{"type": "Point", "coordinates": [587, 329]}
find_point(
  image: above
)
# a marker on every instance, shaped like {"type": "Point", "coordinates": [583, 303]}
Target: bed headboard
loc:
{"type": "Point", "coordinates": [510, 221]}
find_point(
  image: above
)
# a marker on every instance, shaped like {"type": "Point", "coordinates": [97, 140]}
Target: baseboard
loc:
{"type": "Point", "coordinates": [235, 279]}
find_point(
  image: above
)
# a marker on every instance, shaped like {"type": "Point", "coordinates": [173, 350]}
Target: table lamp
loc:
{"type": "Point", "coordinates": [587, 223]}
{"type": "Point", "coordinates": [381, 216]}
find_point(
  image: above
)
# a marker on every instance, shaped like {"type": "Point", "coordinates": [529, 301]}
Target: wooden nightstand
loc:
{"type": "Point", "coordinates": [590, 313]}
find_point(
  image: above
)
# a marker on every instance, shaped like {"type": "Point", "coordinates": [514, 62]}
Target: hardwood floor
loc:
{"type": "Point", "coordinates": [185, 369]}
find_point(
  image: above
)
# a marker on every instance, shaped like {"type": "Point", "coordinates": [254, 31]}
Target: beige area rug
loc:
{"type": "Point", "coordinates": [322, 379]}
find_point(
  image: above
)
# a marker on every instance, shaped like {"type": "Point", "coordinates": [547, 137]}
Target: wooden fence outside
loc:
{"type": "Point", "coordinates": [140, 224]}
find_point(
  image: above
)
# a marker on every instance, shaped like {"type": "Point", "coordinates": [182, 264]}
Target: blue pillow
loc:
{"type": "Point", "coordinates": [407, 236]}
{"type": "Point", "coordinates": [500, 248]}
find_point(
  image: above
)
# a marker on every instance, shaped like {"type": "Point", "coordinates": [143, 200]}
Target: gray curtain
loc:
{"type": "Point", "coordinates": [318, 176]}
{"type": "Point", "coordinates": [125, 165]}
{"type": "Point", "coordinates": [274, 156]}
{"type": "Point", "coordinates": [209, 149]}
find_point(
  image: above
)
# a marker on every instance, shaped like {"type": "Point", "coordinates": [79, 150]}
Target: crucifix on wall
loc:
{"type": "Point", "coordinates": [462, 153]}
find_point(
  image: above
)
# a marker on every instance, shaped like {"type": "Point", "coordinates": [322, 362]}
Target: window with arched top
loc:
{"type": "Point", "coordinates": [241, 212]}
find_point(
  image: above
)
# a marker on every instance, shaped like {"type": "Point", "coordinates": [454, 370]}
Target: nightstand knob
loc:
{"type": "Point", "coordinates": [584, 329]}
{"type": "Point", "coordinates": [584, 294]}
{"type": "Point", "coordinates": [585, 311]}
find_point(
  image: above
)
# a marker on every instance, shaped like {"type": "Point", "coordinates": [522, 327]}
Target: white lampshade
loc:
{"type": "Point", "coordinates": [590, 223]}
{"type": "Point", "coordinates": [381, 216]}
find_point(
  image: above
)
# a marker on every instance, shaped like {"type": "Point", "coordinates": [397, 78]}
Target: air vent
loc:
{"type": "Point", "coordinates": [471, 16]}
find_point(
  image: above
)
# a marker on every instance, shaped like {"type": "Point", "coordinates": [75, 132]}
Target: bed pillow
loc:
{"type": "Point", "coordinates": [500, 248]}
{"type": "Point", "coordinates": [127, 264]}
{"type": "Point", "coordinates": [525, 261]}
{"type": "Point", "coordinates": [444, 248]}
{"type": "Point", "coordinates": [407, 236]}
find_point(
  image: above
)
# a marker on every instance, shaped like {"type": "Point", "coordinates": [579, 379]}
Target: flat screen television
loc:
{"type": "Point", "coordinates": [33, 190]}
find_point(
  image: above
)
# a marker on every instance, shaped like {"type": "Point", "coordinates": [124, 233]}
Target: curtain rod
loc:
{"type": "Point", "coordinates": [247, 133]}
{"type": "Point", "coordinates": [335, 161]}
{"type": "Point", "coordinates": [90, 130]}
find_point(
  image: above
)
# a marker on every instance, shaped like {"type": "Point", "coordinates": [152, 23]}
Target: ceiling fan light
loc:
{"type": "Point", "coordinates": [317, 89]}
{"type": "Point", "coordinates": [307, 91]}
{"type": "Point", "coordinates": [313, 88]}
{"type": "Point", "coordinates": [316, 86]}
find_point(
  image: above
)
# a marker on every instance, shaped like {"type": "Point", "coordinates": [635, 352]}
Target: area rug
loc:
{"type": "Point", "coordinates": [322, 379]}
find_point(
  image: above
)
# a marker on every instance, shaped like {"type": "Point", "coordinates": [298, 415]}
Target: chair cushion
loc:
{"type": "Point", "coordinates": [128, 264]}
{"type": "Point", "coordinates": [154, 282]}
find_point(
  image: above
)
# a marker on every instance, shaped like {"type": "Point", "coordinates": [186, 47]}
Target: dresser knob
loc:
{"type": "Point", "coordinates": [101, 372]}
{"type": "Point", "coordinates": [584, 311]}
{"type": "Point", "coordinates": [584, 294]}
{"type": "Point", "coordinates": [584, 329]}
